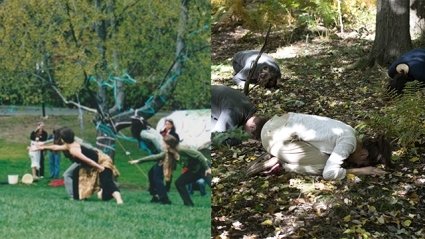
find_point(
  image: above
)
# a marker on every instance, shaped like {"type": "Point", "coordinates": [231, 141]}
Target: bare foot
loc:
{"type": "Point", "coordinates": [99, 194]}
{"type": "Point", "coordinates": [117, 196]}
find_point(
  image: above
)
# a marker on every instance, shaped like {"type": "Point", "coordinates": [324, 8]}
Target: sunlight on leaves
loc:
{"type": "Point", "coordinates": [267, 222]}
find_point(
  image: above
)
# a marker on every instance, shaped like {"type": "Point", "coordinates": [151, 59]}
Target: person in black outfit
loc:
{"type": "Point", "coordinates": [39, 135]}
{"type": "Point", "coordinates": [170, 129]}
{"type": "Point", "coordinates": [195, 167]}
{"type": "Point", "coordinates": [93, 164]}
{"type": "Point", "coordinates": [194, 162]}
{"type": "Point", "coordinates": [162, 169]}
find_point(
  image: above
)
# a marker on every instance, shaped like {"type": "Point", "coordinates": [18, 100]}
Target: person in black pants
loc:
{"type": "Point", "coordinates": [156, 185]}
{"type": "Point", "coordinates": [195, 167]}
{"type": "Point", "coordinates": [170, 129]}
{"type": "Point", "coordinates": [94, 164]}
{"type": "Point", "coordinates": [194, 162]}
{"type": "Point", "coordinates": [39, 135]}
{"type": "Point", "coordinates": [162, 169]}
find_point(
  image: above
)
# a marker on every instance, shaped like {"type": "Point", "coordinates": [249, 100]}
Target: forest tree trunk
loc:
{"type": "Point", "coordinates": [392, 32]}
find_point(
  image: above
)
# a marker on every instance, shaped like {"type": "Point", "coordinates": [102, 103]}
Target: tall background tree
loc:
{"type": "Point", "coordinates": [102, 39]}
{"type": "Point", "coordinates": [87, 50]}
{"type": "Point", "coordinates": [392, 31]}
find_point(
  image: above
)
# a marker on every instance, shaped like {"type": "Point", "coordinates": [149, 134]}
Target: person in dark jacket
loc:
{"type": "Point", "coordinates": [266, 74]}
{"type": "Point", "coordinates": [230, 109]}
{"type": "Point", "coordinates": [170, 129]}
{"type": "Point", "coordinates": [408, 67]}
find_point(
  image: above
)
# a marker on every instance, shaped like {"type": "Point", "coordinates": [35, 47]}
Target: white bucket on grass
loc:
{"type": "Point", "coordinates": [13, 179]}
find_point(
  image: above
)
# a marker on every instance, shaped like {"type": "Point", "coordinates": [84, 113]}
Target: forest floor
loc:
{"type": "Point", "coordinates": [318, 78]}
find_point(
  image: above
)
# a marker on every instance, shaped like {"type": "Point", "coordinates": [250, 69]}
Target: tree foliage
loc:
{"type": "Point", "coordinates": [68, 41]}
{"type": "Point", "coordinates": [257, 15]}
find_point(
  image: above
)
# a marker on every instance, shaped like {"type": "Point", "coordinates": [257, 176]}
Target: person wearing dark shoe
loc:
{"type": "Point", "coordinates": [196, 167]}
{"type": "Point", "coordinates": [162, 169]}
{"type": "Point", "coordinates": [194, 161]}
{"type": "Point", "coordinates": [155, 199]}
{"type": "Point", "coordinates": [96, 169]}
{"type": "Point", "coordinates": [169, 129]}
{"type": "Point", "coordinates": [232, 141]}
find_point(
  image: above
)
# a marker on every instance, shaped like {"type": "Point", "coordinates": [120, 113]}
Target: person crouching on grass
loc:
{"type": "Point", "coordinates": [193, 160]}
{"type": "Point", "coordinates": [95, 167]}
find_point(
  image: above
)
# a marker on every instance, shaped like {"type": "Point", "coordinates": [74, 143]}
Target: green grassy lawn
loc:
{"type": "Point", "coordinates": [42, 211]}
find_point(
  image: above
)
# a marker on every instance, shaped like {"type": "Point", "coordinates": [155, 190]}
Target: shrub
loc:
{"type": "Point", "coordinates": [404, 118]}
{"type": "Point", "coordinates": [218, 139]}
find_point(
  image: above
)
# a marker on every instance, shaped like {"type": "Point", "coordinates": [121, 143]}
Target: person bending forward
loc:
{"type": "Point", "coordinates": [95, 166]}
{"type": "Point", "coordinates": [317, 145]}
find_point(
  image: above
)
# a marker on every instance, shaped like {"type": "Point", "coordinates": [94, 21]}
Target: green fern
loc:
{"type": "Point", "coordinates": [404, 118]}
{"type": "Point", "coordinates": [219, 138]}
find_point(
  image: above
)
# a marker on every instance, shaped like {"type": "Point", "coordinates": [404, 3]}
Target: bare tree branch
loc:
{"type": "Point", "coordinates": [68, 102]}
{"type": "Point", "coordinates": [72, 102]}
{"type": "Point", "coordinates": [254, 65]}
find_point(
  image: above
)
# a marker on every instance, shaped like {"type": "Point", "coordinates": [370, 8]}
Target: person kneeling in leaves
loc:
{"type": "Point", "coordinates": [317, 145]}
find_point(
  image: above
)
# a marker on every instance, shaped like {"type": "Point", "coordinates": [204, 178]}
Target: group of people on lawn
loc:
{"type": "Point", "coordinates": [92, 171]}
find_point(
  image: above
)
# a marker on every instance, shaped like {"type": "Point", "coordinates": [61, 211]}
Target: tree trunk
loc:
{"type": "Point", "coordinates": [110, 122]}
{"type": "Point", "coordinates": [157, 101]}
{"type": "Point", "coordinates": [107, 130]}
{"type": "Point", "coordinates": [392, 32]}
{"type": "Point", "coordinates": [341, 24]}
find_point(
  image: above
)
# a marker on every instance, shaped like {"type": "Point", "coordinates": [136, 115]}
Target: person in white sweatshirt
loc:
{"type": "Point", "coordinates": [317, 145]}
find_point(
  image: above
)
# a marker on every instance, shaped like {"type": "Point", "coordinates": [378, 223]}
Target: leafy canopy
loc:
{"type": "Point", "coordinates": [64, 42]}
